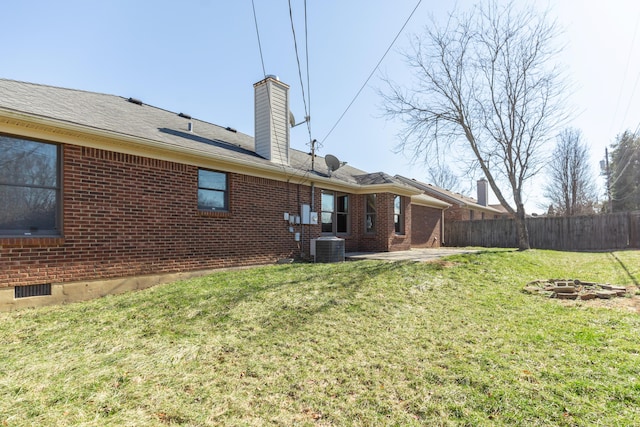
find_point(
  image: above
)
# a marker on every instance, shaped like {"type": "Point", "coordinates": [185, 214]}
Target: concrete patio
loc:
{"type": "Point", "coordinates": [420, 255]}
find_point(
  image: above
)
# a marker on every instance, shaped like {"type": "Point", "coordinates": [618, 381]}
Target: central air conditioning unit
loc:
{"type": "Point", "coordinates": [329, 249]}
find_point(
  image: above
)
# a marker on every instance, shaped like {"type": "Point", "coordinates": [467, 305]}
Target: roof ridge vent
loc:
{"type": "Point", "coordinates": [186, 116]}
{"type": "Point", "coordinates": [230, 129]}
{"type": "Point", "coordinates": [135, 101]}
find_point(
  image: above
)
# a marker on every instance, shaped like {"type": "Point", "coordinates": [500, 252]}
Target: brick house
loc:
{"type": "Point", "coordinates": [102, 194]}
{"type": "Point", "coordinates": [462, 208]}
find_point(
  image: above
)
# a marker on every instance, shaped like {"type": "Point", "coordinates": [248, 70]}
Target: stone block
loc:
{"type": "Point", "coordinates": [564, 289]}
{"type": "Point", "coordinates": [567, 296]}
{"type": "Point", "coordinates": [604, 294]}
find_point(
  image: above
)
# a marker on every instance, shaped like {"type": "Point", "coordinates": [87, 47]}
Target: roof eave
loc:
{"type": "Point", "coordinates": [46, 128]}
{"type": "Point", "coordinates": [422, 200]}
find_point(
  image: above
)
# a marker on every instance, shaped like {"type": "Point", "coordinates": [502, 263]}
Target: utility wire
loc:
{"type": "Point", "coordinates": [372, 71]}
{"type": "Point", "coordinates": [264, 73]}
{"type": "Point", "coordinates": [633, 91]}
{"type": "Point", "coordinates": [624, 77]}
{"type": "Point", "coordinates": [255, 20]}
{"type": "Point", "coordinates": [295, 45]}
{"type": "Point", "coordinates": [306, 54]}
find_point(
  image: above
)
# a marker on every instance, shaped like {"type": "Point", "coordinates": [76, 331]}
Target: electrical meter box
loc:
{"type": "Point", "coordinates": [308, 217]}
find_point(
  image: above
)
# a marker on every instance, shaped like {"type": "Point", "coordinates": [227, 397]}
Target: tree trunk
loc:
{"type": "Point", "coordinates": [521, 229]}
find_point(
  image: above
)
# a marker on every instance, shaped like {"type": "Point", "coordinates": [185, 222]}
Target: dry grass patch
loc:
{"type": "Point", "coordinates": [358, 343]}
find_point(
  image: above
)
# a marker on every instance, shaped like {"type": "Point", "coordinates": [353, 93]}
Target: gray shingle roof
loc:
{"type": "Point", "coordinates": [448, 196]}
{"type": "Point", "coordinates": [118, 116]}
{"type": "Point", "coordinates": [376, 178]}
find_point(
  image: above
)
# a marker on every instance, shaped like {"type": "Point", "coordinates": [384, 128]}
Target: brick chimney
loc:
{"type": "Point", "coordinates": [272, 120]}
{"type": "Point", "coordinates": [483, 192]}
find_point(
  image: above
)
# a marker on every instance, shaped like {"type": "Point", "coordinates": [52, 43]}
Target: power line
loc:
{"type": "Point", "coordinates": [264, 73]}
{"type": "Point", "coordinates": [255, 20]}
{"type": "Point", "coordinates": [633, 91]}
{"type": "Point", "coordinates": [306, 53]}
{"type": "Point", "coordinates": [372, 72]}
{"type": "Point", "coordinates": [624, 78]}
{"type": "Point", "coordinates": [307, 108]}
{"type": "Point", "coordinates": [295, 45]}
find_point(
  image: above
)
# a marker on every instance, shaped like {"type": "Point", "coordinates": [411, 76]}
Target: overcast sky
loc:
{"type": "Point", "coordinates": [201, 57]}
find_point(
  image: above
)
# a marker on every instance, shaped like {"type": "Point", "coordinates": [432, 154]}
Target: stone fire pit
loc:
{"type": "Point", "coordinates": [574, 289]}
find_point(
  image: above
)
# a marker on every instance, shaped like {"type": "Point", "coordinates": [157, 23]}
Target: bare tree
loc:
{"type": "Point", "coordinates": [485, 85]}
{"type": "Point", "coordinates": [444, 177]}
{"type": "Point", "coordinates": [571, 184]}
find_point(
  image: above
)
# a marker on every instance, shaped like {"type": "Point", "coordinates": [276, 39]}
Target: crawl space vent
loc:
{"type": "Point", "coordinates": [32, 290]}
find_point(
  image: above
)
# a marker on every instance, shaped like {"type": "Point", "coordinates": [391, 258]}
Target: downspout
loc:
{"type": "Point", "coordinates": [442, 226]}
{"type": "Point", "coordinates": [313, 196]}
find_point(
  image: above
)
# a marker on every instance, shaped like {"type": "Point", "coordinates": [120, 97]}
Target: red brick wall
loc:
{"type": "Point", "coordinates": [464, 214]}
{"type": "Point", "coordinates": [455, 213]}
{"type": "Point", "coordinates": [396, 242]}
{"type": "Point", "coordinates": [426, 224]}
{"type": "Point", "coordinates": [377, 241]}
{"type": "Point", "coordinates": [357, 240]}
{"type": "Point", "coordinates": [127, 215]}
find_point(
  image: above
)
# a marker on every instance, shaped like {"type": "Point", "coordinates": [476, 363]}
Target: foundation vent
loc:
{"type": "Point", "coordinates": [32, 290]}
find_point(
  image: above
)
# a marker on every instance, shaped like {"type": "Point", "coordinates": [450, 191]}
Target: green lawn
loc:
{"type": "Point", "coordinates": [353, 344]}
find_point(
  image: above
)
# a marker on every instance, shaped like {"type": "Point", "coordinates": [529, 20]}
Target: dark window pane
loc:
{"type": "Point", "coordinates": [398, 215]}
{"type": "Point", "coordinates": [370, 213]}
{"type": "Point", "coordinates": [28, 187]}
{"type": "Point", "coordinates": [343, 203]}
{"type": "Point", "coordinates": [27, 210]}
{"type": "Point", "coordinates": [371, 203]}
{"type": "Point", "coordinates": [211, 200]}
{"type": "Point", "coordinates": [213, 194]}
{"type": "Point", "coordinates": [342, 225]}
{"type": "Point", "coordinates": [212, 180]}
{"type": "Point", "coordinates": [25, 162]}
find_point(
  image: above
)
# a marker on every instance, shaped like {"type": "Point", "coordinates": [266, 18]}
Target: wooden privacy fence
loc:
{"type": "Point", "coordinates": [598, 232]}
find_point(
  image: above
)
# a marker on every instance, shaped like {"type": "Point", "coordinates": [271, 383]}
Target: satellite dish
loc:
{"type": "Point", "coordinates": [332, 162]}
{"type": "Point", "coordinates": [292, 120]}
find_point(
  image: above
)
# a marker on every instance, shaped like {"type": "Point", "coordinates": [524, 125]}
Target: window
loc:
{"type": "Point", "coordinates": [29, 188]}
{"type": "Point", "coordinates": [328, 208]}
{"type": "Point", "coordinates": [398, 215]}
{"type": "Point", "coordinates": [342, 214]}
{"type": "Point", "coordinates": [335, 212]}
{"type": "Point", "coordinates": [213, 191]}
{"type": "Point", "coordinates": [370, 213]}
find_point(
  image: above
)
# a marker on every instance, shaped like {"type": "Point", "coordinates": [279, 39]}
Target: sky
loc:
{"type": "Point", "coordinates": [201, 57]}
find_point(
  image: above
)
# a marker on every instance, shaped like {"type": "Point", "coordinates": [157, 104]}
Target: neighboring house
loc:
{"type": "Point", "coordinates": [462, 208]}
{"type": "Point", "coordinates": [504, 213]}
{"type": "Point", "coordinates": [101, 194]}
